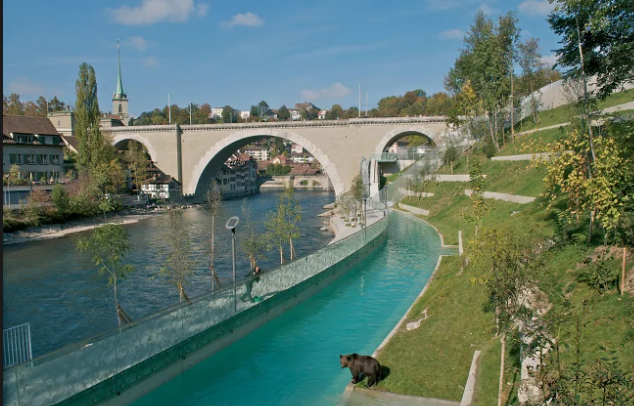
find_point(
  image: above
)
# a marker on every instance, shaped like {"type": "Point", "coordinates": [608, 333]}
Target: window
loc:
{"type": "Point", "coordinates": [30, 159]}
{"type": "Point", "coordinates": [120, 109]}
{"type": "Point", "coordinates": [24, 139]}
{"type": "Point", "coordinates": [54, 159]}
{"type": "Point", "coordinates": [15, 159]}
{"type": "Point", "coordinates": [42, 159]}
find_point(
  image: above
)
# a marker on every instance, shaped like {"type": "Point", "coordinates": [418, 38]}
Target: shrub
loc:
{"type": "Point", "coordinates": [488, 149]}
{"type": "Point", "coordinates": [60, 200]}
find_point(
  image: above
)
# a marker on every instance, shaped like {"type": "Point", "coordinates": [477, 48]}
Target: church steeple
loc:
{"type": "Point", "coordinates": [120, 99]}
{"type": "Point", "coordinates": [119, 93]}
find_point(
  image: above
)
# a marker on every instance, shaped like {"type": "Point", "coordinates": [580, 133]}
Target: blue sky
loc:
{"type": "Point", "coordinates": [240, 52]}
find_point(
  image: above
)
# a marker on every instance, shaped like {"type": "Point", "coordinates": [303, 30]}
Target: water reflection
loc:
{"type": "Point", "coordinates": [56, 289]}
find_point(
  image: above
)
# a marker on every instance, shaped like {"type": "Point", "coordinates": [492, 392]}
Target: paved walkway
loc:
{"type": "Point", "coordinates": [507, 197]}
{"type": "Point", "coordinates": [338, 226]}
{"type": "Point", "coordinates": [613, 109]}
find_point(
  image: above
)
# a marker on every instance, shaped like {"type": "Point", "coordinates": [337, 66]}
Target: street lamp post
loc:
{"type": "Point", "coordinates": [231, 224]}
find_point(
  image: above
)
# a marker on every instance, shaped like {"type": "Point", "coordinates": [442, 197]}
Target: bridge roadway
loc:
{"type": "Point", "coordinates": [192, 154]}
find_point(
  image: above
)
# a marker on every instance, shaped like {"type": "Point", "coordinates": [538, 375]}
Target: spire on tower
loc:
{"type": "Point", "coordinates": [119, 93]}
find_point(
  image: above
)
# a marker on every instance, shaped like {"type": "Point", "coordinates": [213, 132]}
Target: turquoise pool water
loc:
{"type": "Point", "coordinates": [294, 359]}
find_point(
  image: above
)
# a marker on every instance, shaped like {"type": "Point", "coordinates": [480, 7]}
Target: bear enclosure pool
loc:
{"type": "Point", "coordinates": [294, 359]}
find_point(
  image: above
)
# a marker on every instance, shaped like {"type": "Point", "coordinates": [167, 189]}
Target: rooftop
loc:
{"type": "Point", "coordinates": [27, 125]}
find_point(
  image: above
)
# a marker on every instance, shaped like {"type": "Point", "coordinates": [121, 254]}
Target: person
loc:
{"type": "Point", "coordinates": [254, 277]}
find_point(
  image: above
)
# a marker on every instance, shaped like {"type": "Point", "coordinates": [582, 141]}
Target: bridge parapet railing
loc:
{"type": "Point", "coordinates": [123, 356]}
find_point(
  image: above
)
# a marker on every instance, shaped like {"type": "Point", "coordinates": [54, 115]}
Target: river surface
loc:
{"type": "Point", "coordinates": [59, 292]}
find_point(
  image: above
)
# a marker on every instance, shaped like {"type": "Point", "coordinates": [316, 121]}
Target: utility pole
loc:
{"type": "Point", "coordinates": [359, 101]}
{"type": "Point", "coordinates": [190, 113]}
{"type": "Point", "coordinates": [169, 108]}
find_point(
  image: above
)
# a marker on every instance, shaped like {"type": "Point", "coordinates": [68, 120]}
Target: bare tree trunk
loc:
{"type": "Point", "coordinates": [501, 385]}
{"type": "Point", "coordinates": [585, 91]}
{"type": "Point", "coordinates": [290, 240]}
{"type": "Point", "coordinates": [491, 130]}
{"type": "Point", "coordinates": [281, 255]}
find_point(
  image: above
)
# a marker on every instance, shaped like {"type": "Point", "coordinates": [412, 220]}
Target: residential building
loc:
{"type": "Point", "coordinates": [35, 146]}
{"type": "Point", "coordinates": [238, 176]}
{"type": "Point", "coordinates": [161, 187]}
{"type": "Point", "coordinates": [295, 115]}
{"type": "Point", "coordinates": [296, 148]}
{"type": "Point", "coordinates": [216, 112]}
{"type": "Point", "coordinates": [303, 158]}
{"type": "Point", "coordinates": [282, 160]}
{"type": "Point", "coordinates": [305, 105]}
{"type": "Point", "coordinates": [259, 153]}
{"type": "Point", "coordinates": [244, 115]}
{"type": "Point", "coordinates": [64, 122]}
{"type": "Point", "coordinates": [322, 114]}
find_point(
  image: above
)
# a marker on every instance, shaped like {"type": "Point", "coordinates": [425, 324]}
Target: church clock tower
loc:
{"type": "Point", "coordinates": [120, 99]}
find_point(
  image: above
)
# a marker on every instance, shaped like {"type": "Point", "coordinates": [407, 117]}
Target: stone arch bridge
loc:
{"type": "Point", "coordinates": [192, 154]}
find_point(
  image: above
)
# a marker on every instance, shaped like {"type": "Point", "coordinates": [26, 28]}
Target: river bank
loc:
{"type": "Point", "coordinates": [51, 231]}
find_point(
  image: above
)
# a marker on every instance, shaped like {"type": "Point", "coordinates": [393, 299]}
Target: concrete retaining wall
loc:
{"type": "Point", "coordinates": [522, 157]}
{"type": "Point", "coordinates": [414, 210]}
{"type": "Point", "coordinates": [507, 197]}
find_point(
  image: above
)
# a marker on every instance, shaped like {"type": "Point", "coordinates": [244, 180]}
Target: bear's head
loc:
{"type": "Point", "coordinates": [346, 360]}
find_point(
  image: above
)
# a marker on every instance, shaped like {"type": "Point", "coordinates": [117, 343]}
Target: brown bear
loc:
{"type": "Point", "coordinates": [361, 366]}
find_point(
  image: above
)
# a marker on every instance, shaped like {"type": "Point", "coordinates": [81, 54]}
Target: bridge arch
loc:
{"type": "Point", "coordinates": [120, 139]}
{"type": "Point", "coordinates": [221, 150]}
{"type": "Point", "coordinates": [395, 134]}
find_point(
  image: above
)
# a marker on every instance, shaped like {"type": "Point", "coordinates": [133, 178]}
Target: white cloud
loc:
{"type": "Point", "coordinates": [139, 43]}
{"type": "Point", "coordinates": [335, 91]}
{"type": "Point", "coordinates": [451, 34]}
{"type": "Point", "coordinates": [151, 62]}
{"type": "Point", "coordinates": [156, 11]}
{"type": "Point", "coordinates": [488, 10]}
{"type": "Point", "coordinates": [549, 60]}
{"type": "Point", "coordinates": [536, 7]}
{"type": "Point", "coordinates": [248, 19]}
{"type": "Point", "coordinates": [23, 85]}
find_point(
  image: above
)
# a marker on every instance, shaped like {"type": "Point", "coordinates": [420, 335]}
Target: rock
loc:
{"type": "Point", "coordinates": [330, 206]}
{"type": "Point", "coordinates": [529, 392]}
{"type": "Point", "coordinates": [327, 214]}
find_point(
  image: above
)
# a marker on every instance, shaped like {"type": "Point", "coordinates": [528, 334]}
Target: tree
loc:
{"type": "Point", "coordinates": [56, 105]}
{"type": "Point", "coordinates": [352, 112]}
{"type": "Point", "coordinates": [14, 105]}
{"type": "Point", "coordinates": [596, 39]}
{"type": "Point", "coordinates": [42, 106]}
{"type": "Point", "coordinates": [283, 114]}
{"type": "Point", "coordinates": [252, 244]}
{"type": "Point", "coordinates": [508, 37]}
{"type": "Point", "coordinates": [529, 61]}
{"type": "Point", "coordinates": [229, 115]}
{"type": "Point", "coordinates": [255, 111]}
{"type": "Point", "coordinates": [504, 266]}
{"type": "Point", "coordinates": [263, 109]}
{"type": "Point", "coordinates": [276, 228]}
{"type": "Point", "coordinates": [108, 246]}
{"type": "Point", "coordinates": [178, 266]}
{"type": "Point", "coordinates": [478, 205]}
{"type": "Point", "coordinates": [214, 200]}
{"type": "Point", "coordinates": [292, 216]}
{"type": "Point", "coordinates": [60, 199]}
{"type": "Point", "coordinates": [138, 164]}
{"type": "Point", "coordinates": [87, 118]}
{"type": "Point", "coordinates": [451, 155]}
{"type": "Point", "coordinates": [335, 113]}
